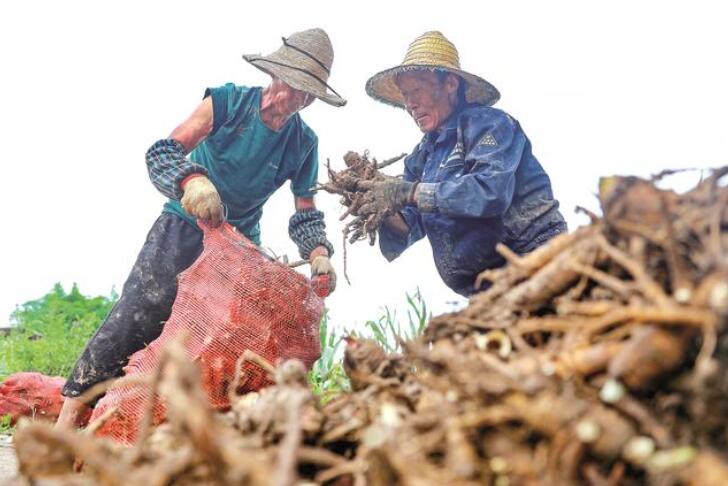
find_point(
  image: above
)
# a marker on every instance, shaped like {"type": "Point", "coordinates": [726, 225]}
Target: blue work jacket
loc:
{"type": "Point", "coordinates": [479, 185]}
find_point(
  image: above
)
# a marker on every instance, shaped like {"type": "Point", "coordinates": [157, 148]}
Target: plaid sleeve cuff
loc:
{"type": "Point", "coordinates": [425, 197]}
{"type": "Point", "coordinates": [168, 167]}
{"type": "Point", "coordinates": [307, 229]}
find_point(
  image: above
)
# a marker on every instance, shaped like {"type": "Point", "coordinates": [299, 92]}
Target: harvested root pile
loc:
{"type": "Point", "coordinates": [601, 359]}
{"type": "Point", "coordinates": [346, 183]}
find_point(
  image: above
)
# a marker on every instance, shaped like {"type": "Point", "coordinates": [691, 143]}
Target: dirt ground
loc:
{"type": "Point", "coordinates": [8, 463]}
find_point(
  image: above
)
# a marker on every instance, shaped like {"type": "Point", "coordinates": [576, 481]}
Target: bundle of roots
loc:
{"type": "Point", "coordinates": [346, 183]}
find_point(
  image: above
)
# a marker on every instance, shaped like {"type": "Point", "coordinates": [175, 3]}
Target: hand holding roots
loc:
{"type": "Point", "coordinates": [354, 195]}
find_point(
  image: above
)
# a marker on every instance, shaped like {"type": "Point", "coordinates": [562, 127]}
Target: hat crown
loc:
{"type": "Point", "coordinates": [432, 49]}
{"type": "Point", "coordinates": [304, 63]}
{"type": "Point", "coordinates": [310, 50]}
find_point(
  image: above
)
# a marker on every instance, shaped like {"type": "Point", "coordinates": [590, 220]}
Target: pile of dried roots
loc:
{"type": "Point", "coordinates": [601, 359]}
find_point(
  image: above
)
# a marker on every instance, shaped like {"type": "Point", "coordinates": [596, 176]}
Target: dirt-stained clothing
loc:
{"type": "Point", "coordinates": [145, 304]}
{"type": "Point", "coordinates": [479, 185]}
{"type": "Point", "coordinates": [247, 162]}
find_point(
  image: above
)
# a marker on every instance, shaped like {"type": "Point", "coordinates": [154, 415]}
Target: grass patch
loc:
{"type": "Point", "coordinates": [327, 377]}
{"type": "Point", "coordinates": [389, 332]}
{"type": "Point", "coordinates": [6, 426]}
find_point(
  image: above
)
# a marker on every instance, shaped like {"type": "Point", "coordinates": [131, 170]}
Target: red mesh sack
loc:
{"type": "Point", "coordinates": [233, 298]}
{"type": "Point", "coordinates": [31, 394]}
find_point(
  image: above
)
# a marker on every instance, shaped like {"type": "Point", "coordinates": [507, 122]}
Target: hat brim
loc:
{"type": "Point", "coordinates": [299, 80]}
{"type": "Point", "coordinates": [382, 87]}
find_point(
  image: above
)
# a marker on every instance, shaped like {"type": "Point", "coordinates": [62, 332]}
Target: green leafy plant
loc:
{"type": "Point", "coordinates": [49, 333]}
{"type": "Point", "coordinates": [327, 377]}
{"type": "Point", "coordinates": [389, 332]}
{"type": "Point", "coordinates": [6, 425]}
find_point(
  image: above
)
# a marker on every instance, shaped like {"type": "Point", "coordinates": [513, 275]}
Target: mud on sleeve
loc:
{"type": "Point", "coordinates": [168, 166]}
{"type": "Point", "coordinates": [307, 230]}
{"type": "Point", "coordinates": [392, 244]}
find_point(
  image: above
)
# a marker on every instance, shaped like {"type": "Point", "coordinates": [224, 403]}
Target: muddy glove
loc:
{"type": "Point", "coordinates": [201, 200]}
{"type": "Point", "coordinates": [322, 270]}
{"type": "Point", "coordinates": [389, 195]}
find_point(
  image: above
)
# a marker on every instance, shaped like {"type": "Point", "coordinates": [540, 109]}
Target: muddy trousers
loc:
{"type": "Point", "coordinates": [145, 303]}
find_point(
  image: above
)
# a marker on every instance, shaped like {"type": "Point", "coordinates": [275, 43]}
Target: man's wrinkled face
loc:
{"type": "Point", "coordinates": [426, 98]}
{"type": "Point", "coordinates": [289, 100]}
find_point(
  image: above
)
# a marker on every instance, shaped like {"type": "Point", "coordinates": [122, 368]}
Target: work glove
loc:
{"type": "Point", "coordinates": [389, 196]}
{"type": "Point", "coordinates": [201, 200]}
{"type": "Point", "coordinates": [323, 275]}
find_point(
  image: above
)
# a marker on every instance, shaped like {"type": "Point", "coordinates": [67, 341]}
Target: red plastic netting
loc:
{"type": "Point", "coordinates": [233, 298]}
{"type": "Point", "coordinates": [31, 394]}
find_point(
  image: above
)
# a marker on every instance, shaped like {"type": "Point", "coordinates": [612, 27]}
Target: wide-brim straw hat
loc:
{"type": "Point", "coordinates": [304, 63]}
{"type": "Point", "coordinates": [433, 52]}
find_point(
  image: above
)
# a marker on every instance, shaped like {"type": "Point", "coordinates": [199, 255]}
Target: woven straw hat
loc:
{"type": "Point", "coordinates": [430, 51]}
{"type": "Point", "coordinates": [303, 62]}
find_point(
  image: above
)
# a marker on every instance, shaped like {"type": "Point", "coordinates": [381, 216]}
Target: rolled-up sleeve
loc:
{"type": "Point", "coordinates": [494, 148]}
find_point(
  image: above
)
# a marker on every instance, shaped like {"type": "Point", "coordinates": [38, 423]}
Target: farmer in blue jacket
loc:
{"type": "Point", "coordinates": [472, 181]}
{"type": "Point", "coordinates": [243, 144]}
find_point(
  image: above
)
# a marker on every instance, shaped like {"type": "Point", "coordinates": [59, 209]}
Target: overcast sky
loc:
{"type": "Point", "coordinates": [599, 88]}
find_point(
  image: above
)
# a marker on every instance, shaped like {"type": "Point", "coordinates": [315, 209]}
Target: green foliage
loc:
{"type": "Point", "coordinates": [6, 426]}
{"type": "Point", "coordinates": [327, 378]}
{"type": "Point", "coordinates": [389, 332]}
{"type": "Point", "coordinates": [50, 333]}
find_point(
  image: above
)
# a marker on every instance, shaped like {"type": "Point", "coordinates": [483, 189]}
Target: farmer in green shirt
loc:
{"type": "Point", "coordinates": [243, 144]}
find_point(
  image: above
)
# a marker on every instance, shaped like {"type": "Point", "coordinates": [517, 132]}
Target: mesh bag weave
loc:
{"type": "Point", "coordinates": [31, 394]}
{"type": "Point", "coordinates": [233, 298]}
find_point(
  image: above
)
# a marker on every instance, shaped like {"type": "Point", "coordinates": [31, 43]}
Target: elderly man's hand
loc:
{"type": "Point", "coordinates": [201, 200]}
{"type": "Point", "coordinates": [389, 195]}
{"type": "Point", "coordinates": [321, 267]}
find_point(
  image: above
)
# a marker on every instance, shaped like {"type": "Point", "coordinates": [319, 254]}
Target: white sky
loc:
{"type": "Point", "coordinates": [599, 88]}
